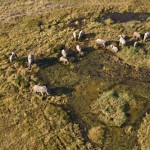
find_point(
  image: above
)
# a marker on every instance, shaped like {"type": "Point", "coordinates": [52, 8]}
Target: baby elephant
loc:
{"type": "Point", "coordinates": [40, 89]}
{"type": "Point", "coordinates": [136, 44]}
{"type": "Point", "coordinates": [12, 56]}
{"type": "Point", "coordinates": [64, 60]}
{"type": "Point", "coordinates": [30, 59]}
{"type": "Point", "coordinates": [122, 40]}
{"type": "Point", "coordinates": [114, 48]}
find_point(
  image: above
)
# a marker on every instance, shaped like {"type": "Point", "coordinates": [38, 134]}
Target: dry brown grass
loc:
{"type": "Point", "coordinates": [96, 135]}
{"type": "Point", "coordinates": [30, 122]}
{"type": "Point", "coordinates": [144, 133]}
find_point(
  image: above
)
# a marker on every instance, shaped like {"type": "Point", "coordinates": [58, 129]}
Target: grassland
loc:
{"type": "Point", "coordinates": [83, 94]}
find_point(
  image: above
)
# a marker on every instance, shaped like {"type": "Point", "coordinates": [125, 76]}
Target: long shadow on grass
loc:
{"type": "Point", "coordinates": [58, 91]}
{"type": "Point", "coordinates": [90, 35]}
{"type": "Point", "coordinates": [46, 62]}
{"type": "Point", "coordinates": [131, 43]}
{"type": "Point", "coordinates": [125, 17]}
{"type": "Point", "coordinates": [88, 50]}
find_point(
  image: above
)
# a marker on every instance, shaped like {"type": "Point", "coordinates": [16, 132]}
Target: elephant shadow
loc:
{"type": "Point", "coordinates": [58, 91]}
{"type": "Point", "coordinates": [46, 62]}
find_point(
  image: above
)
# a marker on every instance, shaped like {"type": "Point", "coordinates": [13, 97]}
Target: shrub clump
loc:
{"type": "Point", "coordinates": [60, 100]}
{"type": "Point", "coordinates": [109, 21]}
{"type": "Point", "coordinates": [32, 23]}
{"type": "Point", "coordinates": [110, 108]}
{"type": "Point", "coordinates": [96, 134]}
{"type": "Point", "coordinates": [144, 133]}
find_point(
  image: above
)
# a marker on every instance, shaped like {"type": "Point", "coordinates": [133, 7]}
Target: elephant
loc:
{"type": "Point", "coordinates": [64, 60]}
{"type": "Point", "coordinates": [136, 44]}
{"type": "Point", "coordinates": [40, 89]}
{"type": "Point", "coordinates": [64, 53]}
{"type": "Point", "coordinates": [137, 35]}
{"type": "Point", "coordinates": [122, 40]}
{"type": "Point", "coordinates": [75, 35]}
{"type": "Point", "coordinates": [101, 42]}
{"type": "Point", "coordinates": [30, 59]}
{"type": "Point", "coordinates": [12, 56]}
{"type": "Point", "coordinates": [114, 48]}
{"type": "Point", "coordinates": [146, 35]}
{"type": "Point", "coordinates": [81, 35]}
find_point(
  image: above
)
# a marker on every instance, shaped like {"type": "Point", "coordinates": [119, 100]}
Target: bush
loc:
{"type": "Point", "coordinates": [111, 107]}
{"type": "Point", "coordinates": [32, 23]}
{"type": "Point", "coordinates": [109, 21]}
{"type": "Point", "coordinates": [96, 134]}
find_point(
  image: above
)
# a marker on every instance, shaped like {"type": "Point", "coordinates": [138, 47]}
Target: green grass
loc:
{"type": "Point", "coordinates": [105, 108]}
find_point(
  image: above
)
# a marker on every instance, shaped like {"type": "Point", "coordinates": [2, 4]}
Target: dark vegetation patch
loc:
{"type": "Point", "coordinates": [58, 91]}
{"type": "Point", "coordinates": [46, 62]}
{"type": "Point", "coordinates": [125, 17]}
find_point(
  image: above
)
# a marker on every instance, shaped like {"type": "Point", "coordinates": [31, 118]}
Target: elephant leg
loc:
{"type": "Point", "coordinates": [42, 94]}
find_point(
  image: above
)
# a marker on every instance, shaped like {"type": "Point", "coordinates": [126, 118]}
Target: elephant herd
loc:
{"type": "Point", "coordinates": [123, 41]}
{"type": "Point", "coordinates": [65, 53]}
{"type": "Point", "coordinates": [79, 36]}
